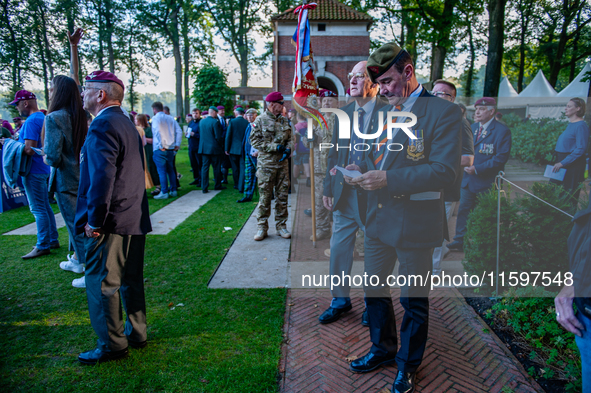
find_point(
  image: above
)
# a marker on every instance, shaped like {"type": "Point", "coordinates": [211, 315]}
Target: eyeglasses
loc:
{"type": "Point", "coordinates": [441, 94]}
{"type": "Point", "coordinates": [358, 75]}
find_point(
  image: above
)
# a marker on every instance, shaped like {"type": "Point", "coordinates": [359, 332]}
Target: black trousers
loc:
{"type": "Point", "coordinates": [115, 272]}
{"type": "Point", "coordinates": [380, 260]}
{"type": "Point", "coordinates": [215, 161]}
{"type": "Point", "coordinates": [195, 159]}
{"type": "Point", "coordinates": [237, 171]}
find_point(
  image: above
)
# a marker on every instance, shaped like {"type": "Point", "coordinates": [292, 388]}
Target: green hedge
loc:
{"type": "Point", "coordinates": [535, 140]}
{"type": "Point", "coordinates": [533, 235]}
{"type": "Point", "coordinates": [530, 313]}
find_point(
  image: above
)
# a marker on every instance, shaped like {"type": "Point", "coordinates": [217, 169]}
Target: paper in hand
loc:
{"type": "Point", "coordinates": [38, 151]}
{"type": "Point", "coordinates": [346, 172]}
{"type": "Point", "coordinates": [554, 175]}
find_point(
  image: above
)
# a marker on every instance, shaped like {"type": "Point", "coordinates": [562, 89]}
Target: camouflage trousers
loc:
{"type": "Point", "coordinates": [275, 179]}
{"type": "Point", "coordinates": [322, 214]}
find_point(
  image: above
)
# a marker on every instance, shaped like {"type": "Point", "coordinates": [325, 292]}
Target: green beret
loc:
{"type": "Point", "coordinates": [213, 108]}
{"type": "Point", "coordinates": [382, 59]}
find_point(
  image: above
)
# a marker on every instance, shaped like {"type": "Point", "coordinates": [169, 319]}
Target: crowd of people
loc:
{"type": "Point", "coordinates": [90, 152]}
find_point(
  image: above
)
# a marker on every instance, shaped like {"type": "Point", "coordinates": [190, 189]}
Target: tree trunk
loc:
{"type": "Point", "coordinates": [496, 35]}
{"type": "Point", "coordinates": [187, 59]}
{"type": "Point", "coordinates": [470, 76]}
{"type": "Point", "coordinates": [46, 47]}
{"type": "Point", "coordinates": [109, 34]}
{"type": "Point", "coordinates": [438, 61]}
{"type": "Point", "coordinates": [131, 93]}
{"type": "Point", "coordinates": [178, 62]}
{"type": "Point", "coordinates": [101, 34]}
{"type": "Point", "coordinates": [41, 53]}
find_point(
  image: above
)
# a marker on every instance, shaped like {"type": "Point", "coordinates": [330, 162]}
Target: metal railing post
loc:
{"type": "Point", "coordinates": [499, 176]}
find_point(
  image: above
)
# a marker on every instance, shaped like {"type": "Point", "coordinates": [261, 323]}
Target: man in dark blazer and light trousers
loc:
{"type": "Point", "coordinates": [112, 211]}
{"type": "Point", "coordinates": [211, 148]}
{"type": "Point", "coordinates": [233, 148]}
{"type": "Point", "coordinates": [492, 146]}
{"type": "Point", "coordinates": [340, 197]}
{"type": "Point", "coordinates": [405, 212]}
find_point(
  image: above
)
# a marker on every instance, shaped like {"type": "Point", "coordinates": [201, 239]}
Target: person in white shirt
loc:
{"type": "Point", "coordinates": [166, 142]}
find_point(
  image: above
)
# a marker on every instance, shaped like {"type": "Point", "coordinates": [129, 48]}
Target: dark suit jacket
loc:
{"type": "Point", "coordinates": [235, 135]}
{"type": "Point", "coordinates": [490, 155]}
{"type": "Point", "coordinates": [210, 133]}
{"type": "Point", "coordinates": [112, 190]}
{"type": "Point", "coordinates": [335, 186]}
{"type": "Point", "coordinates": [194, 140]}
{"type": "Point", "coordinates": [392, 216]}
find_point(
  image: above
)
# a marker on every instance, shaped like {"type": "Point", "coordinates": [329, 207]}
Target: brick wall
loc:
{"type": "Point", "coordinates": [329, 46]}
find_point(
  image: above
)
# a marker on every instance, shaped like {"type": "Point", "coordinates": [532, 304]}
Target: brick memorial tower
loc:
{"type": "Point", "coordinates": [339, 39]}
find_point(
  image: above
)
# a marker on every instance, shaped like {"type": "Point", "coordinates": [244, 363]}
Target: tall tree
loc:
{"type": "Point", "coordinates": [567, 21]}
{"type": "Point", "coordinates": [527, 14]}
{"type": "Point", "coordinates": [496, 37]}
{"type": "Point", "coordinates": [162, 17]}
{"type": "Point", "coordinates": [236, 22]}
{"type": "Point", "coordinates": [14, 49]}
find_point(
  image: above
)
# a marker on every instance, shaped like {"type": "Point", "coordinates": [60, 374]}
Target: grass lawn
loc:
{"type": "Point", "coordinates": [221, 340]}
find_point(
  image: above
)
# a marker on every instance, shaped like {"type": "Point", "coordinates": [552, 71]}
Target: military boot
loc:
{"type": "Point", "coordinates": [321, 235]}
{"type": "Point", "coordinates": [261, 234]}
{"type": "Point", "coordinates": [284, 233]}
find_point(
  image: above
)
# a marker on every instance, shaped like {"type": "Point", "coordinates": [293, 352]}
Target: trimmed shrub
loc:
{"type": "Point", "coordinates": [533, 234]}
{"type": "Point", "coordinates": [535, 140]}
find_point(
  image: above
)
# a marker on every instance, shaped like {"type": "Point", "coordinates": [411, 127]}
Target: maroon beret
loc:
{"type": "Point", "coordinates": [220, 107]}
{"type": "Point", "coordinates": [327, 93]}
{"type": "Point", "coordinates": [237, 106]}
{"type": "Point", "coordinates": [104, 77]}
{"type": "Point", "coordinates": [133, 113]}
{"type": "Point", "coordinates": [274, 97]}
{"type": "Point", "coordinates": [23, 95]}
{"type": "Point", "coordinates": [486, 101]}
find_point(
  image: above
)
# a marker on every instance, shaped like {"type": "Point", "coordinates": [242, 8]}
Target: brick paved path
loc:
{"type": "Point", "coordinates": [462, 354]}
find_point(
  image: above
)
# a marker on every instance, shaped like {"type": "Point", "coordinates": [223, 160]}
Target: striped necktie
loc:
{"type": "Point", "coordinates": [380, 149]}
{"type": "Point", "coordinates": [479, 133]}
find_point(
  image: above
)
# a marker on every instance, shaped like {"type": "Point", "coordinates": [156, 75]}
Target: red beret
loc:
{"type": "Point", "coordinates": [486, 101]}
{"type": "Point", "coordinates": [23, 95]}
{"type": "Point", "coordinates": [327, 93]}
{"type": "Point", "coordinates": [274, 97]}
{"type": "Point", "coordinates": [104, 77]}
{"type": "Point", "coordinates": [220, 107]}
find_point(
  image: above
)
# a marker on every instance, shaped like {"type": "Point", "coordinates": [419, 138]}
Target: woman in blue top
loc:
{"type": "Point", "coordinates": [571, 148]}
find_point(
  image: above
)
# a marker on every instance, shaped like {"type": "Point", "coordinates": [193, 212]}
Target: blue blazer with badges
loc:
{"type": "Point", "coordinates": [211, 140]}
{"type": "Point", "coordinates": [410, 211]}
{"type": "Point", "coordinates": [491, 153]}
{"type": "Point", "coordinates": [112, 191]}
{"type": "Point", "coordinates": [335, 186]}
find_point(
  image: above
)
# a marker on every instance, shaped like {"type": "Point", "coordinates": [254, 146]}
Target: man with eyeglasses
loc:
{"type": "Point", "coordinates": [451, 195]}
{"type": "Point", "coordinates": [341, 198]}
{"type": "Point", "coordinates": [271, 135]}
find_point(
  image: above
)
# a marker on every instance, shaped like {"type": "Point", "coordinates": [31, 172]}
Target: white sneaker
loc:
{"type": "Point", "coordinates": [79, 282]}
{"type": "Point", "coordinates": [72, 265]}
{"type": "Point", "coordinates": [161, 196]}
{"type": "Point", "coordinates": [173, 194]}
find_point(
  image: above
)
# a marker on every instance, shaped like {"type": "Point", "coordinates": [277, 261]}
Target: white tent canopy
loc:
{"type": "Point", "coordinates": [577, 88]}
{"type": "Point", "coordinates": [539, 87]}
{"type": "Point", "coordinates": [506, 89]}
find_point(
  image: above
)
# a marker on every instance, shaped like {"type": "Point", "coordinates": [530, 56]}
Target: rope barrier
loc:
{"type": "Point", "coordinates": [499, 176]}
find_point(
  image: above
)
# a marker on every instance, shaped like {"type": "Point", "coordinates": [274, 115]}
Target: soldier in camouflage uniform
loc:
{"type": "Point", "coordinates": [271, 135]}
{"type": "Point", "coordinates": [322, 135]}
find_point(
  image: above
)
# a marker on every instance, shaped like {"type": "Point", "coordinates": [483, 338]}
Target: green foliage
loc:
{"type": "Point", "coordinates": [480, 242]}
{"type": "Point", "coordinates": [533, 234]}
{"type": "Point", "coordinates": [530, 313]}
{"type": "Point", "coordinates": [211, 88]}
{"type": "Point", "coordinates": [535, 140]}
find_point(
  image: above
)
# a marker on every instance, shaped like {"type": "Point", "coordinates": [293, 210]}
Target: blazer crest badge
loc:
{"type": "Point", "coordinates": [416, 147]}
